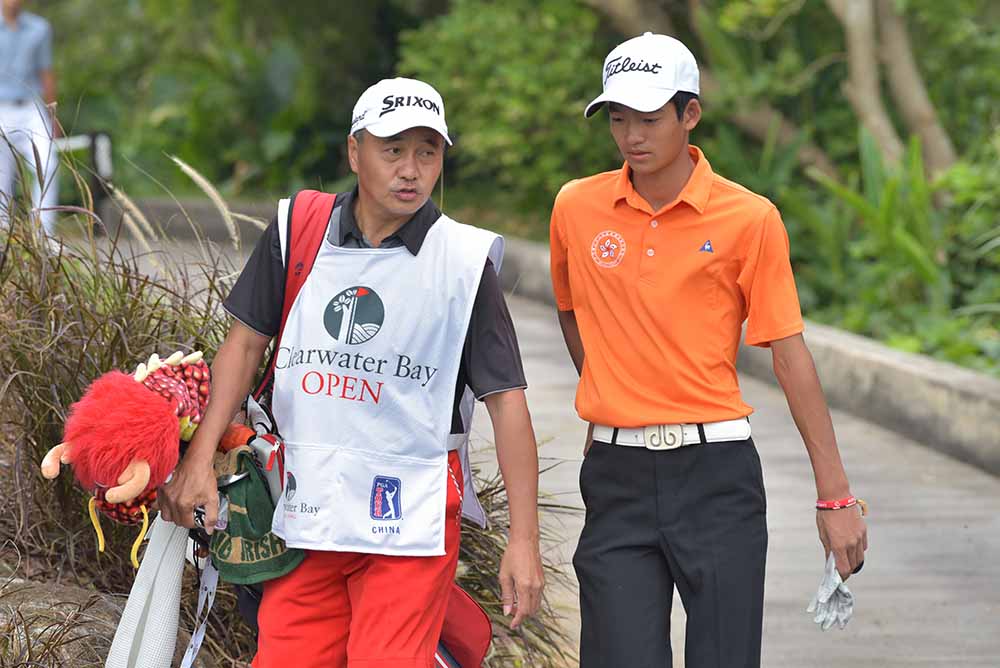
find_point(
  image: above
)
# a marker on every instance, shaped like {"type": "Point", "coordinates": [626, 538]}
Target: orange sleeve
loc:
{"type": "Point", "coordinates": [768, 285]}
{"type": "Point", "coordinates": [559, 261]}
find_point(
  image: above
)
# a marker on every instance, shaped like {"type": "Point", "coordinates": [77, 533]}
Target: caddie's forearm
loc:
{"type": "Point", "coordinates": [517, 454]}
{"type": "Point", "coordinates": [571, 335]}
{"type": "Point", "coordinates": [796, 373]}
{"type": "Point", "coordinates": [233, 371]}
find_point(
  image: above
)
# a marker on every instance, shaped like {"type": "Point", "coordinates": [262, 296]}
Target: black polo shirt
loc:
{"type": "Point", "coordinates": [491, 359]}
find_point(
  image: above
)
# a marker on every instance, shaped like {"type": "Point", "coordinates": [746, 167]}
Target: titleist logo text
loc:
{"type": "Point", "coordinates": [626, 64]}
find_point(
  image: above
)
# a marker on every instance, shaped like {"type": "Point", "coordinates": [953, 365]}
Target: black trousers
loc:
{"type": "Point", "coordinates": [691, 518]}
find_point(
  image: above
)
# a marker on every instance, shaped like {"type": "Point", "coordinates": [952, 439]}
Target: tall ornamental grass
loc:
{"type": "Point", "coordinates": [69, 313]}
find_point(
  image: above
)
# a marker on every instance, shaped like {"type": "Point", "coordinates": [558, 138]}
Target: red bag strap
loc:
{"type": "Point", "coordinates": [308, 215]}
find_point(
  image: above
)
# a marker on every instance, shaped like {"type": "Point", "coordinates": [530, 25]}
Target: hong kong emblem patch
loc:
{"type": "Point", "coordinates": [608, 249]}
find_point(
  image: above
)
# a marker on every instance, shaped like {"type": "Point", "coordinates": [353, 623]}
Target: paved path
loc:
{"type": "Point", "coordinates": [930, 591]}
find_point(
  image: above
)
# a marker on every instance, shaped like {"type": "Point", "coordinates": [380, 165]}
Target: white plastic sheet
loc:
{"type": "Point", "coordinates": [147, 633]}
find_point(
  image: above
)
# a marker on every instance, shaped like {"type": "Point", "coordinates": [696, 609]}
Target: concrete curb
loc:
{"type": "Point", "coordinates": [943, 406]}
{"type": "Point", "coordinates": [171, 220]}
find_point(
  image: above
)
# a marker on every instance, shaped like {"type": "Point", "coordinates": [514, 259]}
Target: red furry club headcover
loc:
{"type": "Point", "coordinates": [119, 420]}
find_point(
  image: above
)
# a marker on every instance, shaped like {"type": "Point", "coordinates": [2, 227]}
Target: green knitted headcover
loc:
{"type": "Point", "coordinates": [246, 552]}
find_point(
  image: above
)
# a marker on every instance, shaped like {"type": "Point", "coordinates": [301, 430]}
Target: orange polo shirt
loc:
{"type": "Point", "coordinates": [660, 297]}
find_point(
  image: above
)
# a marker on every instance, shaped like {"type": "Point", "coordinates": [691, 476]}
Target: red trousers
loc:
{"type": "Point", "coordinates": [351, 610]}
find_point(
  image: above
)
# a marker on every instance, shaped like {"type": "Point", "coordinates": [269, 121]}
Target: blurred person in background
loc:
{"type": "Point", "coordinates": [27, 112]}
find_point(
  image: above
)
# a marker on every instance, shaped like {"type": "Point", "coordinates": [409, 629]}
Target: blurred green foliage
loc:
{"type": "Point", "coordinates": [879, 250]}
{"type": "Point", "coordinates": [516, 76]}
{"type": "Point", "coordinates": [257, 95]}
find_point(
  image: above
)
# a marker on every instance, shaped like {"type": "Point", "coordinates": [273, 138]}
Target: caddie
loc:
{"type": "Point", "coordinates": [656, 267]}
{"type": "Point", "coordinates": [399, 320]}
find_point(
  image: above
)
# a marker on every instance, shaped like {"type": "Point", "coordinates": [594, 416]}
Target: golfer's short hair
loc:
{"type": "Point", "coordinates": [681, 99]}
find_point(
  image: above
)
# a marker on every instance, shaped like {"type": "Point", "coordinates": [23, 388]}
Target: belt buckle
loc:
{"type": "Point", "coordinates": [664, 436]}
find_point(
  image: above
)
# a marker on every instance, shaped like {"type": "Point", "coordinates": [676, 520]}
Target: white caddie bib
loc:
{"type": "Point", "coordinates": [364, 387]}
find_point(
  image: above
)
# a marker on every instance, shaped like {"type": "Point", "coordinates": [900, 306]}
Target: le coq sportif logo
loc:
{"type": "Point", "coordinates": [354, 315]}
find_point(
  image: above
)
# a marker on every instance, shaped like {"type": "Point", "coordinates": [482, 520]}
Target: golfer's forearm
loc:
{"type": "Point", "coordinates": [796, 373]}
{"type": "Point", "coordinates": [233, 371]}
{"type": "Point", "coordinates": [571, 335]}
{"type": "Point", "coordinates": [517, 454]}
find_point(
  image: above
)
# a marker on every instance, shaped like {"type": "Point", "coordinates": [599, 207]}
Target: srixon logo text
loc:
{"type": "Point", "coordinates": [394, 102]}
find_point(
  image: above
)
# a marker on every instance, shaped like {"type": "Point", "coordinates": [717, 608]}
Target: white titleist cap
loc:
{"type": "Point", "coordinates": [645, 72]}
{"type": "Point", "coordinates": [394, 105]}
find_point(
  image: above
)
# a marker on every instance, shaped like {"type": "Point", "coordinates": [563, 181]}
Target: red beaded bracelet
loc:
{"type": "Point", "coordinates": [836, 504]}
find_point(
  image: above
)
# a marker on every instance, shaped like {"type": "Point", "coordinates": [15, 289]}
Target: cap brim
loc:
{"type": "Point", "coordinates": [645, 100]}
{"type": "Point", "coordinates": [395, 122]}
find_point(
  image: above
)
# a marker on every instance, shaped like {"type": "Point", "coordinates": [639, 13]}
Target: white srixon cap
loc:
{"type": "Point", "coordinates": [645, 72]}
{"type": "Point", "coordinates": [394, 105]}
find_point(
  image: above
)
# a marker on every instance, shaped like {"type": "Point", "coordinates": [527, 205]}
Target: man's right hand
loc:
{"type": "Point", "coordinates": [193, 484]}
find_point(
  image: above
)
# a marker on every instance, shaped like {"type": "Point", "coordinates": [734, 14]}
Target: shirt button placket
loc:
{"type": "Point", "coordinates": [647, 266]}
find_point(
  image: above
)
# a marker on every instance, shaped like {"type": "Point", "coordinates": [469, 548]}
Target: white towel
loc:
{"type": "Point", "coordinates": [147, 633]}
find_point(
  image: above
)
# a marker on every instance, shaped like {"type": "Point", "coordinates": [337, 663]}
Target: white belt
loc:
{"type": "Point", "coordinates": [671, 436]}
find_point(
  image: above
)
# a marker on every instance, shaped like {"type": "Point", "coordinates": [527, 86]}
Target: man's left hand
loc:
{"type": "Point", "coordinates": [521, 579]}
{"type": "Point", "coordinates": [843, 532]}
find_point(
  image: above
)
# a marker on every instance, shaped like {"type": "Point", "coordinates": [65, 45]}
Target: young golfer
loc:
{"type": "Point", "coordinates": [656, 266]}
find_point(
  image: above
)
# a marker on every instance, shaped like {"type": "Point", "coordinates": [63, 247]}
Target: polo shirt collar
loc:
{"type": "Point", "coordinates": [411, 234]}
{"type": "Point", "coordinates": [695, 192]}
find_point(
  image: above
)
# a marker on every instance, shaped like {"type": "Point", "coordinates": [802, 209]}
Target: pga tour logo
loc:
{"type": "Point", "coordinates": [608, 249]}
{"type": "Point", "coordinates": [386, 503]}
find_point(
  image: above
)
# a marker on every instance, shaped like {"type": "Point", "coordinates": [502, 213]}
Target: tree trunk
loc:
{"type": "Point", "coordinates": [862, 89]}
{"type": "Point", "coordinates": [634, 17]}
{"type": "Point", "coordinates": [909, 91]}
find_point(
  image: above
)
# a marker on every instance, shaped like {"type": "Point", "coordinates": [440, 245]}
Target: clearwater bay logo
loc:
{"type": "Point", "coordinates": [355, 315]}
{"type": "Point", "coordinates": [290, 487]}
{"type": "Point", "coordinates": [608, 249]}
